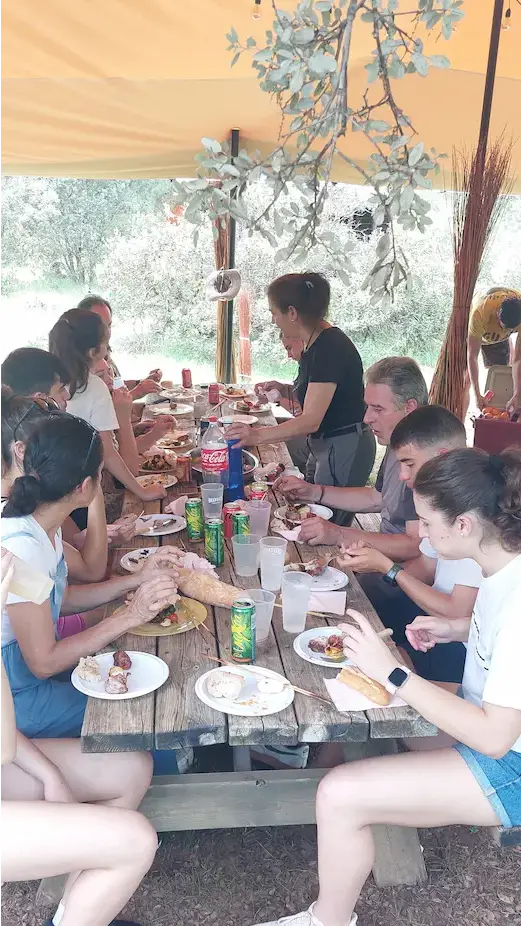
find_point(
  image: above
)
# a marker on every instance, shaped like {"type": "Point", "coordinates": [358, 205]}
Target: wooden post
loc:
{"type": "Point", "coordinates": [231, 263]}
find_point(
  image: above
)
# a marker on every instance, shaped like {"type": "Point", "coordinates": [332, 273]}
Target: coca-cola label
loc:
{"type": "Point", "coordinates": [214, 461]}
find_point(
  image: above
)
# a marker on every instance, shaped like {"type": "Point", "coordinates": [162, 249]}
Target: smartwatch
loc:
{"type": "Point", "coordinates": [396, 679]}
{"type": "Point", "coordinates": [390, 577]}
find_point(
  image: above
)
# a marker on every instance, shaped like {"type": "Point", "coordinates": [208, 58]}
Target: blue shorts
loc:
{"type": "Point", "coordinates": [500, 781]}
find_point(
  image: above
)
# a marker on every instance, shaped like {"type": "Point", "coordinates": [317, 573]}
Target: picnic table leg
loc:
{"type": "Point", "coordinates": [241, 759]}
{"type": "Point", "coordinates": [399, 856]}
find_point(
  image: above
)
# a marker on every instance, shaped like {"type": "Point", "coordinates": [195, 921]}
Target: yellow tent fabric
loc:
{"type": "Point", "coordinates": [127, 88]}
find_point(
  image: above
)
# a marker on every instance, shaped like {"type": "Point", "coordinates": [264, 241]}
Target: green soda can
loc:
{"type": "Point", "coordinates": [194, 520]}
{"type": "Point", "coordinates": [214, 541]}
{"type": "Point", "coordinates": [240, 523]}
{"type": "Point", "coordinates": [242, 627]}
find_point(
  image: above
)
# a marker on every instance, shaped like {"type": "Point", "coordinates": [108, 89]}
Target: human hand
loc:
{"type": "Point", "coordinates": [316, 530]}
{"type": "Point", "coordinates": [145, 387]}
{"type": "Point", "coordinates": [243, 434]}
{"type": "Point", "coordinates": [56, 790]}
{"type": "Point", "coordinates": [143, 427]}
{"type": "Point", "coordinates": [156, 375]}
{"type": "Point", "coordinates": [294, 488]}
{"type": "Point", "coordinates": [164, 559]}
{"type": "Point", "coordinates": [7, 574]}
{"type": "Point", "coordinates": [362, 557]}
{"type": "Point", "coordinates": [425, 632]}
{"type": "Point", "coordinates": [162, 425]}
{"type": "Point", "coordinates": [262, 388]}
{"type": "Point", "coordinates": [368, 652]}
{"type": "Point", "coordinates": [123, 530]}
{"type": "Point", "coordinates": [513, 406]}
{"type": "Point", "coordinates": [150, 598]}
{"type": "Point", "coordinates": [122, 400]}
{"type": "Point", "coordinates": [151, 493]}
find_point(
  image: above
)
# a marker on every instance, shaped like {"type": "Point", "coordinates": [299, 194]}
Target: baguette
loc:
{"type": "Point", "coordinates": [354, 678]}
{"type": "Point", "coordinates": [206, 588]}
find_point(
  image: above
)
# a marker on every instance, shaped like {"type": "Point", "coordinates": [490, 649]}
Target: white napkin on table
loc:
{"type": "Point", "coordinates": [330, 602]}
{"type": "Point", "coordinates": [347, 699]}
{"type": "Point", "coordinates": [177, 507]}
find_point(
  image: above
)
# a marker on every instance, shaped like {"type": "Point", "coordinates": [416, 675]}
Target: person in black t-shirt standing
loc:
{"type": "Point", "coordinates": [329, 387]}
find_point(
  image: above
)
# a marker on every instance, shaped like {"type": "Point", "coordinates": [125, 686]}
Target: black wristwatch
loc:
{"type": "Point", "coordinates": [396, 679]}
{"type": "Point", "coordinates": [390, 577]}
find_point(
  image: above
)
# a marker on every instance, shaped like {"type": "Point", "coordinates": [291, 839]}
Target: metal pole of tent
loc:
{"type": "Point", "coordinates": [231, 264]}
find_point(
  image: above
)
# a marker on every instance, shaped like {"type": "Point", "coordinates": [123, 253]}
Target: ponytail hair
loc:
{"type": "Point", "coordinates": [308, 293]}
{"type": "Point", "coordinates": [60, 453]}
{"type": "Point", "coordinates": [19, 415]}
{"type": "Point", "coordinates": [462, 481]}
{"type": "Point", "coordinates": [77, 332]}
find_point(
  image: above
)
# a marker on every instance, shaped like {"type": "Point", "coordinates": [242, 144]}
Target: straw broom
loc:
{"type": "Point", "coordinates": [481, 185]}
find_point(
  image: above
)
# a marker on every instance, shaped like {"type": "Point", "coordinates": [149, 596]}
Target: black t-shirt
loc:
{"type": "Point", "coordinates": [333, 358]}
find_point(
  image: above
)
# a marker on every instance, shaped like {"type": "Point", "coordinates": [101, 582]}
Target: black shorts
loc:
{"type": "Point", "coordinates": [497, 354]}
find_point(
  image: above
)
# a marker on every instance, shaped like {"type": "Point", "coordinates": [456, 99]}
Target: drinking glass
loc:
{"type": "Point", "coordinates": [246, 552]}
{"type": "Point", "coordinates": [296, 589]}
{"type": "Point", "coordinates": [272, 556]}
{"type": "Point", "coordinates": [264, 603]}
{"type": "Point", "coordinates": [212, 495]}
{"type": "Point", "coordinates": [260, 513]}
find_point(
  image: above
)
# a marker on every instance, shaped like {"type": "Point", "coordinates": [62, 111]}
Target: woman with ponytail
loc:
{"type": "Point", "coordinates": [469, 506]}
{"type": "Point", "coordinates": [62, 464]}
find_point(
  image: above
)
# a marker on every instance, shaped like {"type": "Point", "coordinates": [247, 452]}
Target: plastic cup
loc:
{"type": "Point", "coordinates": [272, 557]}
{"type": "Point", "coordinates": [264, 603]}
{"type": "Point", "coordinates": [296, 590]}
{"type": "Point", "coordinates": [260, 513]}
{"type": "Point", "coordinates": [246, 552]}
{"type": "Point", "coordinates": [212, 495]}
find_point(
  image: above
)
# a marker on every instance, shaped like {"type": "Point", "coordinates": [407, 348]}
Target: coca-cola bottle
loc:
{"type": "Point", "coordinates": [215, 463]}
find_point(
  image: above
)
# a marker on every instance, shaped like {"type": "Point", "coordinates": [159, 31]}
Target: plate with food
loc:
{"type": "Point", "coordinates": [163, 462]}
{"type": "Point", "coordinates": [117, 676]}
{"type": "Point", "coordinates": [177, 408]}
{"type": "Point", "coordinates": [234, 392]}
{"type": "Point", "coordinates": [270, 472]}
{"type": "Point", "coordinates": [249, 405]}
{"type": "Point", "coordinates": [325, 577]}
{"type": "Point", "coordinates": [294, 515]}
{"type": "Point", "coordinates": [322, 646]}
{"type": "Point", "coordinates": [167, 480]}
{"type": "Point", "coordinates": [134, 560]}
{"type": "Point", "coordinates": [158, 525]}
{"type": "Point", "coordinates": [239, 419]}
{"type": "Point", "coordinates": [244, 691]}
{"type": "Point", "coordinates": [184, 615]}
{"type": "Point", "coordinates": [176, 442]}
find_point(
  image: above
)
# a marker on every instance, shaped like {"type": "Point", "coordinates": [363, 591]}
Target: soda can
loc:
{"type": "Point", "coordinates": [240, 523]}
{"type": "Point", "coordinates": [194, 520]}
{"type": "Point", "coordinates": [213, 394]}
{"type": "Point", "coordinates": [214, 541]}
{"type": "Point", "coordinates": [184, 467]}
{"type": "Point", "coordinates": [186, 378]}
{"type": "Point", "coordinates": [229, 509]}
{"type": "Point", "coordinates": [259, 491]}
{"type": "Point", "coordinates": [204, 424]}
{"type": "Point", "coordinates": [242, 627]}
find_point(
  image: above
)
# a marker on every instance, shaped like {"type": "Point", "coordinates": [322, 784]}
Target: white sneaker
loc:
{"type": "Point", "coordinates": [306, 918]}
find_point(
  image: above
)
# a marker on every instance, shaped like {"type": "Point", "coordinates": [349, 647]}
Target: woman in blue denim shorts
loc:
{"type": "Point", "coordinates": [469, 505]}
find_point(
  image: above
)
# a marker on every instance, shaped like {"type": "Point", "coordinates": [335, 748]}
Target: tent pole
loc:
{"type": "Point", "coordinates": [231, 264]}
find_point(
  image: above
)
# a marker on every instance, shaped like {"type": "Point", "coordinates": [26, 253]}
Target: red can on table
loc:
{"type": "Point", "coordinates": [258, 491]}
{"type": "Point", "coordinates": [229, 509]}
{"type": "Point", "coordinates": [186, 378]}
{"type": "Point", "coordinates": [213, 394]}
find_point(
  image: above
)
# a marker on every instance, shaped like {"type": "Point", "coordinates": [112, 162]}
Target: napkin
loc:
{"type": "Point", "coordinates": [347, 699]}
{"type": "Point", "coordinates": [330, 602]}
{"type": "Point", "coordinates": [177, 507]}
{"type": "Point", "coordinates": [272, 395]}
{"type": "Point", "coordinates": [278, 527]}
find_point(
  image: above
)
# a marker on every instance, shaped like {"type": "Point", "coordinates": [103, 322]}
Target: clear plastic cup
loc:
{"type": "Point", "coordinates": [246, 552]}
{"type": "Point", "coordinates": [296, 590]}
{"type": "Point", "coordinates": [264, 603]}
{"type": "Point", "coordinates": [212, 495]}
{"type": "Point", "coordinates": [272, 557]}
{"type": "Point", "coordinates": [260, 513]}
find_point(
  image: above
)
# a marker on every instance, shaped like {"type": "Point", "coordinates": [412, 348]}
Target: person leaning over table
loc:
{"type": "Point", "coordinates": [469, 506]}
{"type": "Point", "coordinates": [494, 318]}
{"type": "Point", "coordinates": [100, 306]}
{"type": "Point", "coordinates": [61, 472]}
{"type": "Point", "coordinates": [329, 386]}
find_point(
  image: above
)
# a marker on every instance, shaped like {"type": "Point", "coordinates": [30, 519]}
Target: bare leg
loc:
{"type": "Point", "coordinates": [112, 848]}
{"type": "Point", "coordinates": [412, 789]}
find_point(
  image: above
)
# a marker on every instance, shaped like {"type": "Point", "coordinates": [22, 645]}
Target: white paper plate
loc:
{"type": "Point", "coordinates": [147, 673]}
{"type": "Point", "coordinates": [241, 394]}
{"type": "Point", "coordinates": [330, 581]}
{"type": "Point", "coordinates": [178, 525]}
{"type": "Point", "coordinates": [321, 511]}
{"type": "Point", "coordinates": [125, 561]}
{"type": "Point", "coordinates": [263, 704]}
{"type": "Point", "coordinates": [258, 411]}
{"type": "Point", "coordinates": [177, 412]}
{"type": "Point", "coordinates": [163, 479]}
{"type": "Point", "coordinates": [239, 419]}
{"type": "Point", "coordinates": [300, 645]}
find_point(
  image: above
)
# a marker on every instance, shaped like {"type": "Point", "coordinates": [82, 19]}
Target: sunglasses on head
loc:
{"type": "Point", "coordinates": [49, 406]}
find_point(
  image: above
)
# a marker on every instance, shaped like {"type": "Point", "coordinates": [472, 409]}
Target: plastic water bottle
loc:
{"type": "Point", "coordinates": [215, 462]}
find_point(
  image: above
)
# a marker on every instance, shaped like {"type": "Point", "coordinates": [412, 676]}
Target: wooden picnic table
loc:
{"type": "Point", "coordinates": [174, 717]}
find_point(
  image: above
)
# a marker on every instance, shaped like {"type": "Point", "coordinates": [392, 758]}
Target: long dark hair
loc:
{"type": "Point", "coordinates": [76, 333]}
{"type": "Point", "coordinates": [308, 293]}
{"type": "Point", "coordinates": [61, 451]}
{"type": "Point", "coordinates": [471, 480]}
{"type": "Point", "coordinates": [19, 416]}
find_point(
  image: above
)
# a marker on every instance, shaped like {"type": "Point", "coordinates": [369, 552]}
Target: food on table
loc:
{"type": "Point", "coordinates": [499, 414]}
{"type": "Point", "coordinates": [175, 613]}
{"type": "Point", "coordinates": [248, 405]}
{"type": "Point", "coordinates": [315, 567]}
{"type": "Point", "coordinates": [331, 647]}
{"type": "Point", "coordinates": [233, 390]}
{"type": "Point", "coordinates": [139, 557]}
{"type": "Point", "coordinates": [88, 669]}
{"type": "Point", "coordinates": [160, 524]}
{"type": "Point", "coordinates": [206, 588]}
{"type": "Point", "coordinates": [161, 479]}
{"type": "Point", "coordinates": [225, 685]}
{"type": "Point", "coordinates": [272, 471]}
{"type": "Point", "coordinates": [174, 442]}
{"type": "Point", "coordinates": [117, 681]}
{"type": "Point", "coordinates": [293, 515]}
{"type": "Point", "coordinates": [122, 659]}
{"type": "Point", "coordinates": [354, 678]}
{"type": "Point", "coordinates": [158, 463]}
{"type": "Point", "coordinates": [269, 685]}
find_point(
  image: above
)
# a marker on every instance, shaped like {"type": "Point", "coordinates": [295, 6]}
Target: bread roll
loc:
{"type": "Point", "coordinates": [353, 678]}
{"type": "Point", "coordinates": [206, 588]}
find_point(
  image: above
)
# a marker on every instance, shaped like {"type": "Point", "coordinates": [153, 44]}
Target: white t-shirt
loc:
{"type": "Point", "coordinates": [35, 549]}
{"type": "Point", "coordinates": [492, 668]}
{"type": "Point", "coordinates": [451, 572]}
{"type": "Point", "coordinates": [94, 404]}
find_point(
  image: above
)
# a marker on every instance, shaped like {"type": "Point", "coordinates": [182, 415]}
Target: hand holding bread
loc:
{"type": "Point", "coordinates": [369, 653]}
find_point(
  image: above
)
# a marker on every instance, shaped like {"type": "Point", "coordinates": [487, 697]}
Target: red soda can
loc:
{"type": "Point", "coordinates": [186, 378]}
{"type": "Point", "coordinates": [229, 509]}
{"type": "Point", "coordinates": [213, 394]}
{"type": "Point", "coordinates": [259, 491]}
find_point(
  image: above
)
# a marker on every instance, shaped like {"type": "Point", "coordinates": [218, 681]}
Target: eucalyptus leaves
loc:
{"type": "Point", "coordinates": [304, 65]}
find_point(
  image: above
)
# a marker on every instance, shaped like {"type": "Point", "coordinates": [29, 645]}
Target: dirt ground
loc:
{"type": "Point", "coordinates": [241, 877]}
